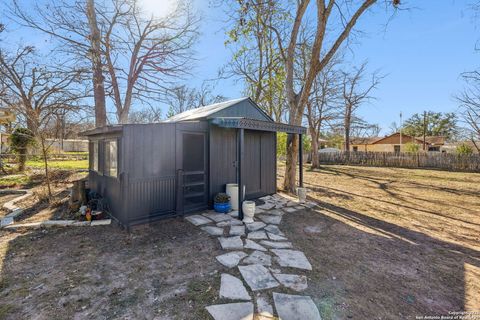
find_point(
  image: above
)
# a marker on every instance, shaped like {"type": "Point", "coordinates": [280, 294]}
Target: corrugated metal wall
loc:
{"type": "Point", "coordinates": [259, 173]}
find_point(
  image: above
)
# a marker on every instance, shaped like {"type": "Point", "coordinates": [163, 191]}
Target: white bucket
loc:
{"type": "Point", "coordinates": [232, 191]}
{"type": "Point", "coordinates": [248, 208]}
{"type": "Point", "coordinates": [302, 194]}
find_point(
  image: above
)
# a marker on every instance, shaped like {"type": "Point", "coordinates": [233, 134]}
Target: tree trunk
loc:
{"type": "Point", "coordinates": [45, 163]}
{"type": "Point", "coordinates": [291, 163]}
{"type": "Point", "coordinates": [347, 124]}
{"type": "Point", "coordinates": [96, 57]}
{"type": "Point", "coordinates": [315, 159]}
{"type": "Point", "coordinates": [123, 116]}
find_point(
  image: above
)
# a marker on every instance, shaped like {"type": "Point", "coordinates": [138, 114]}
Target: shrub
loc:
{"type": "Point", "coordinates": [20, 140]}
{"type": "Point", "coordinates": [464, 149]}
{"type": "Point", "coordinates": [411, 147]}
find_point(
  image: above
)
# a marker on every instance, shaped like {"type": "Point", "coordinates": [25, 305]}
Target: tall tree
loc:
{"type": "Point", "coordinates": [183, 98]}
{"type": "Point", "coordinates": [437, 124]}
{"type": "Point", "coordinates": [469, 101]}
{"type": "Point", "coordinates": [334, 22]}
{"type": "Point", "coordinates": [98, 80]}
{"type": "Point", "coordinates": [34, 90]}
{"type": "Point", "coordinates": [355, 92]}
{"type": "Point", "coordinates": [141, 55]}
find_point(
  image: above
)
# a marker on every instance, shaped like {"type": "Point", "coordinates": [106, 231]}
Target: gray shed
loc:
{"type": "Point", "coordinates": [150, 171]}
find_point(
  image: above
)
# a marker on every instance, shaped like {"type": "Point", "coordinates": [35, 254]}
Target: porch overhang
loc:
{"type": "Point", "coordinates": [250, 124]}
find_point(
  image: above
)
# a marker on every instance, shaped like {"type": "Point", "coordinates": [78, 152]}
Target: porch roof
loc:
{"type": "Point", "coordinates": [250, 124]}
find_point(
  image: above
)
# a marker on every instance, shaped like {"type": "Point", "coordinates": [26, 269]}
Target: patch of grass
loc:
{"type": "Point", "coordinates": [202, 292]}
{"type": "Point", "coordinates": [67, 164]}
{"type": "Point", "coordinates": [14, 181]}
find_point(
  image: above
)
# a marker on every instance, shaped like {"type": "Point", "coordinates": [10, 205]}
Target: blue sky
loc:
{"type": "Point", "coordinates": [422, 51]}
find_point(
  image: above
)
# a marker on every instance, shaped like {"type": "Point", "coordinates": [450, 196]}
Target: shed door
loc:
{"type": "Point", "coordinates": [192, 175]}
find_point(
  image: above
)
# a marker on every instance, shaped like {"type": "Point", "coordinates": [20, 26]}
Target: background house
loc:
{"type": "Point", "coordinates": [395, 143]}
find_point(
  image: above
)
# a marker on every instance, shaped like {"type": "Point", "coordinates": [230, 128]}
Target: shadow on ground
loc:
{"type": "Point", "coordinates": [163, 270]}
{"type": "Point", "coordinates": [366, 268]}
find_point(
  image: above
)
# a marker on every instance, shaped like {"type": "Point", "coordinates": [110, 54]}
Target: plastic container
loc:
{"type": "Point", "coordinates": [248, 208]}
{"type": "Point", "coordinates": [222, 207]}
{"type": "Point", "coordinates": [232, 191]}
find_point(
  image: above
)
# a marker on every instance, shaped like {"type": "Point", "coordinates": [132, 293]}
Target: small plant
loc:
{"type": "Point", "coordinates": [222, 198]}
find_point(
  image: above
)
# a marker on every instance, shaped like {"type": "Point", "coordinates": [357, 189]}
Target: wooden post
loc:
{"type": "Point", "coordinates": [240, 163]}
{"type": "Point", "coordinates": [300, 160]}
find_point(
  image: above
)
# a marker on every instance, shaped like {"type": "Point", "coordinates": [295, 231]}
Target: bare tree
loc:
{"type": "Point", "coordinates": [146, 115]}
{"type": "Point", "coordinates": [355, 93]}
{"type": "Point", "coordinates": [183, 98]}
{"type": "Point", "coordinates": [98, 80]}
{"type": "Point", "coordinates": [334, 22]}
{"type": "Point", "coordinates": [469, 101]}
{"type": "Point", "coordinates": [35, 91]}
{"type": "Point", "coordinates": [141, 55]}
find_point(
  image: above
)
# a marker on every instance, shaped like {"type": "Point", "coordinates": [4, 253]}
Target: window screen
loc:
{"type": "Point", "coordinates": [111, 158]}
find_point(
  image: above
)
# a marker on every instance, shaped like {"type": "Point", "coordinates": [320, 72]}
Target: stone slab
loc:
{"type": "Point", "coordinates": [277, 245]}
{"type": "Point", "coordinates": [231, 222]}
{"type": "Point", "coordinates": [299, 207]}
{"type": "Point", "coordinates": [292, 281]}
{"type": "Point", "coordinates": [292, 259]}
{"type": "Point", "coordinates": [231, 259]}
{"type": "Point", "coordinates": [276, 212]}
{"type": "Point", "coordinates": [197, 220]}
{"type": "Point", "coordinates": [6, 221]}
{"type": "Point", "coordinates": [266, 206]}
{"type": "Point", "coordinates": [61, 223]}
{"type": "Point", "coordinates": [264, 308]}
{"type": "Point", "coordinates": [257, 235]}
{"type": "Point", "coordinates": [216, 216]}
{"type": "Point", "coordinates": [270, 219]}
{"type": "Point", "coordinates": [81, 224]}
{"type": "Point", "coordinates": [293, 307]}
{"type": "Point", "coordinates": [229, 243]}
{"type": "Point", "coordinates": [237, 230]}
{"type": "Point", "coordinates": [233, 214]}
{"type": "Point", "coordinates": [313, 229]}
{"type": "Point", "coordinates": [258, 277]}
{"type": "Point", "coordinates": [232, 288]}
{"type": "Point", "coordinates": [254, 226]}
{"type": "Point", "coordinates": [213, 231]}
{"type": "Point", "coordinates": [290, 210]}
{"type": "Point", "coordinates": [274, 229]}
{"type": "Point", "coordinates": [258, 257]}
{"type": "Point", "coordinates": [258, 210]}
{"type": "Point", "coordinates": [250, 244]}
{"type": "Point", "coordinates": [16, 212]}
{"type": "Point", "coordinates": [231, 311]}
{"type": "Point", "coordinates": [102, 222]}
{"type": "Point", "coordinates": [275, 237]}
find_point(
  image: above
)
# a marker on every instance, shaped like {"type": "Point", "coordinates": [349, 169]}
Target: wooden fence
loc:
{"type": "Point", "coordinates": [437, 160]}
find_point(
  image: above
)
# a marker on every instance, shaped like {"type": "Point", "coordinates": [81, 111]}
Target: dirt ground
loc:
{"type": "Point", "coordinates": [163, 271]}
{"type": "Point", "coordinates": [390, 243]}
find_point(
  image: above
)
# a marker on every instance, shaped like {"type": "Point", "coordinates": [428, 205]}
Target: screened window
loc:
{"type": "Point", "coordinates": [111, 158]}
{"type": "Point", "coordinates": [94, 156]}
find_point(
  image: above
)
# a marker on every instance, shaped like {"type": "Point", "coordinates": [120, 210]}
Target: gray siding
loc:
{"type": "Point", "coordinates": [223, 156]}
{"type": "Point", "coordinates": [149, 175]}
{"type": "Point", "coordinates": [244, 109]}
{"type": "Point", "coordinates": [259, 166]}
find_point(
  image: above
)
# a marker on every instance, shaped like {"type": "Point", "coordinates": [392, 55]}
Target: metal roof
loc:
{"type": "Point", "coordinates": [258, 125]}
{"type": "Point", "coordinates": [206, 111]}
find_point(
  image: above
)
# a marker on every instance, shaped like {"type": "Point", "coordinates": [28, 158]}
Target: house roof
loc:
{"type": "Point", "coordinates": [364, 140]}
{"type": "Point", "coordinates": [435, 140]}
{"type": "Point", "coordinates": [210, 110]}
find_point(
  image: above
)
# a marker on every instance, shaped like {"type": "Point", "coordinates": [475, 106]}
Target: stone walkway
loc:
{"type": "Point", "coordinates": [259, 250]}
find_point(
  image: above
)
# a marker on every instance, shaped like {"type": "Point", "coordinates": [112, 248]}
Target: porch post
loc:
{"type": "Point", "coordinates": [239, 168]}
{"type": "Point", "coordinates": [300, 160]}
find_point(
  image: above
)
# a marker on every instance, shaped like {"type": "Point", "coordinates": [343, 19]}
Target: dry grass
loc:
{"type": "Point", "coordinates": [393, 243]}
